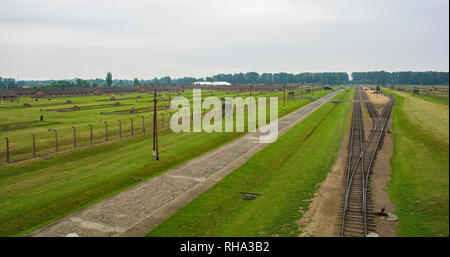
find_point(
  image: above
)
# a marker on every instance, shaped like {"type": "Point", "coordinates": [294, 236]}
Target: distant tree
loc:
{"type": "Point", "coordinates": [381, 79]}
{"type": "Point", "coordinates": [266, 78]}
{"type": "Point", "coordinates": [136, 82]}
{"type": "Point", "coordinates": [184, 80]}
{"type": "Point", "coordinates": [402, 78]}
{"type": "Point", "coordinates": [251, 77]}
{"type": "Point", "coordinates": [61, 84]}
{"type": "Point", "coordinates": [7, 83]}
{"type": "Point", "coordinates": [108, 79]}
{"type": "Point", "coordinates": [82, 83]}
{"type": "Point", "coordinates": [239, 78]}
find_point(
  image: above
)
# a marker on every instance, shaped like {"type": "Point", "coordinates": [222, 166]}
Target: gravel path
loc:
{"type": "Point", "coordinates": [135, 211]}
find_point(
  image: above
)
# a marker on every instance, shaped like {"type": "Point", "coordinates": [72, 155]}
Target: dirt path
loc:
{"type": "Point", "coordinates": [321, 218]}
{"type": "Point", "coordinates": [381, 175]}
{"type": "Point", "coordinates": [135, 211]}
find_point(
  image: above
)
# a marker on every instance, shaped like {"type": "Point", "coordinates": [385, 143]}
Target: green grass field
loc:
{"type": "Point", "coordinates": [20, 139]}
{"type": "Point", "coordinates": [420, 166]}
{"type": "Point", "coordinates": [41, 190]}
{"type": "Point", "coordinates": [440, 95]}
{"type": "Point", "coordinates": [285, 173]}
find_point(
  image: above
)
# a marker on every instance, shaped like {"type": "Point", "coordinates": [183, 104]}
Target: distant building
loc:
{"type": "Point", "coordinates": [6, 95]}
{"type": "Point", "coordinates": [49, 92]}
{"type": "Point", "coordinates": [215, 83]}
{"type": "Point", "coordinates": [114, 90]}
{"type": "Point", "coordinates": [24, 91]}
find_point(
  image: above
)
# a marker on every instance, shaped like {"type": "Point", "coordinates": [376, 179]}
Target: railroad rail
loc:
{"type": "Point", "coordinates": [370, 108]}
{"type": "Point", "coordinates": [358, 215]}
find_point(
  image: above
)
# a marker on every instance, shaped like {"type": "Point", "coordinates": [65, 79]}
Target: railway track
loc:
{"type": "Point", "coordinates": [358, 211]}
{"type": "Point", "coordinates": [370, 108]}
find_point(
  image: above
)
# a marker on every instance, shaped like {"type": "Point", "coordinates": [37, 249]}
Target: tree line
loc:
{"type": "Point", "coordinates": [331, 78]}
{"type": "Point", "coordinates": [236, 78]}
{"type": "Point", "coordinates": [401, 78]}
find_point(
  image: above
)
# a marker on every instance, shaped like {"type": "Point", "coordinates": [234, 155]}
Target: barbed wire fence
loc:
{"type": "Point", "coordinates": [20, 147]}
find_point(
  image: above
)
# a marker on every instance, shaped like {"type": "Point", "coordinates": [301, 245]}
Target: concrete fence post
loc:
{"type": "Point", "coordinates": [106, 131]}
{"type": "Point", "coordinates": [56, 138]}
{"type": "Point", "coordinates": [74, 137]}
{"type": "Point", "coordinates": [34, 144]}
{"type": "Point", "coordinates": [90, 138]}
{"type": "Point", "coordinates": [120, 128]}
{"type": "Point", "coordinates": [7, 150]}
{"type": "Point", "coordinates": [132, 129]}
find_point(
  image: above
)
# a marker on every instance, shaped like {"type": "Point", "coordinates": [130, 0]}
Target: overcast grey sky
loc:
{"type": "Point", "coordinates": [57, 39]}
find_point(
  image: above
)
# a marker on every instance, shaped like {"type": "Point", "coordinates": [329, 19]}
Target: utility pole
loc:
{"type": "Point", "coordinates": [284, 97]}
{"type": "Point", "coordinates": [155, 127]}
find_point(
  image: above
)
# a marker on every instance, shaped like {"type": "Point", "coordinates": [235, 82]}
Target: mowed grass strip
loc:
{"type": "Point", "coordinates": [36, 192]}
{"type": "Point", "coordinates": [420, 166]}
{"type": "Point", "coordinates": [285, 173]}
{"type": "Point", "coordinates": [40, 191]}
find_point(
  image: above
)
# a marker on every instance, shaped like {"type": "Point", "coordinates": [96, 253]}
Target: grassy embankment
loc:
{"type": "Point", "coordinates": [36, 192]}
{"type": "Point", "coordinates": [285, 173]}
{"type": "Point", "coordinates": [420, 166]}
